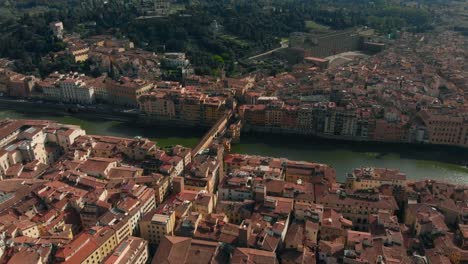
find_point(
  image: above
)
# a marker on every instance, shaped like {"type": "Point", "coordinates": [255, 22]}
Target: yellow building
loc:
{"type": "Point", "coordinates": [154, 226]}
{"type": "Point", "coordinates": [126, 91]}
{"type": "Point", "coordinates": [161, 187]}
{"type": "Point", "coordinates": [28, 228]}
{"type": "Point", "coordinates": [134, 250]}
{"type": "Point", "coordinates": [106, 244]}
{"type": "Point", "coordinates": [123, 229]}
{"type": "Point", "coordinates": [370, 178]}
{"type": "Point", "coordinates": [79, 53]}
{"type": "Point", "coordinates": [89, 247]}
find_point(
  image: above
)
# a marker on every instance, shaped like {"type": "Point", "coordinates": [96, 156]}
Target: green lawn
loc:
{"type": "Point", "coordinates": [6, 13]}
{"type": "Point", "coordinates": [235, 40]}
{"type": "Point", "coordinates": [310, 24]}
{"type": "Point", "coordinates": [176, 8]}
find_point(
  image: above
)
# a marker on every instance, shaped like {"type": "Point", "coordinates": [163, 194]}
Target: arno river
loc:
{"type": "Point", "coordinates": [418, 162]}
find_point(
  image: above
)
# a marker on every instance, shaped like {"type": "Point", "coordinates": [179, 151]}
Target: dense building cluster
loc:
{"type": "Point", "coordinates": [69, 197]}
{"type": "Point", "coordinates": [184, 105]}
{"type": "Point", "coordinates": [412, 92]}
{"type": "Point", "coordinates": [129, 73]}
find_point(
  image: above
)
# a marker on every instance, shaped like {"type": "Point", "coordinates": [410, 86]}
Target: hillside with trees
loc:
{"type": "Point", "coordinates": [248, 27]}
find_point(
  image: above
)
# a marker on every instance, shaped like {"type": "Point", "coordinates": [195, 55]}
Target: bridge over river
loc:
{"type": "Point", "coordinates": [418, 162]}
{"type": "Point", "coordinates": [215, 130]}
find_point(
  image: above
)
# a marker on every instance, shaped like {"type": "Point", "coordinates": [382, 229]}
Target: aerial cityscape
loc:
{"type": "Point", "coordinates": [234, 131]}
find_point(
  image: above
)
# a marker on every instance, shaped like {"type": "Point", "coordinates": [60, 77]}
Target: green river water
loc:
{"type": "Point", "coordinates": [418, 162]}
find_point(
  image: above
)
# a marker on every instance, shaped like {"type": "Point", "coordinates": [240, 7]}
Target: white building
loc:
{"type": "Point", "coordinates": [237, 187]}
{"type": "Point", "coordinates": [57, 29]}
{"type": "Point", "coordinates": [175, 60]}
{"type": "Point", "coordinates": [49, 89]}
{"type": "Point", "coordinates": [74, 90]}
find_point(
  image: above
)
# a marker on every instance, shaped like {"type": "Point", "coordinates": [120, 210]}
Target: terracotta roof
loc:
{"type": "Point", "coordinates": [250, 255]}
{"type": "Point", "coordinates": [96, 165]}
{"type": "Point", "coordinates": [123, 172]}
{"type": "Point", "coordinates": [354, 237]}
{"type": "Point", "coordinates": [331, 247]}
{"type": "Point", "coordinates": [294, 235]}
{"type": "Point", "coordinates": [172, 250]}
{"type": "Point", "coordinates": [26, 256]}
{"type": "Point", "coordinates": [127, 251]}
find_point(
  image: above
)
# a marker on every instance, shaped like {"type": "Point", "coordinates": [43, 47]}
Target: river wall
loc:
{"type": "Point", "coordinates": [111, 113]}
{"type": "Point", "coordinates": [246, 128]}
{"type": "Point", "coordinates": [147, 120]}
{"type": "Point", "coordinates": [99, 112]}
{"type": "Point", "coordinates": [283, 131]}
{"type": "Point", "coordinates": [108, 113]}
